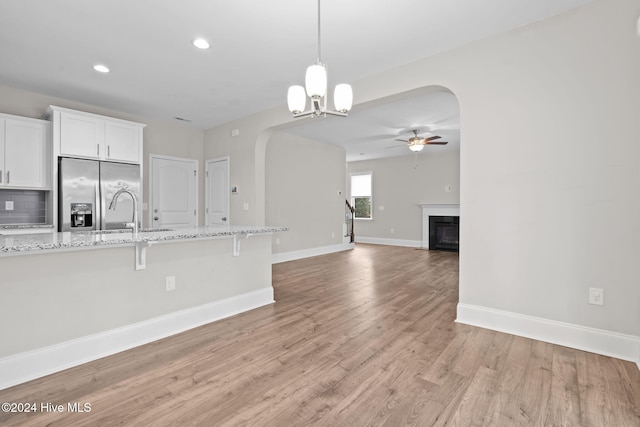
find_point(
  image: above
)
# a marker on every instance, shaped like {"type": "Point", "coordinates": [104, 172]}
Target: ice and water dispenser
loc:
{"type": "Point", "coordinates": [81, 215]}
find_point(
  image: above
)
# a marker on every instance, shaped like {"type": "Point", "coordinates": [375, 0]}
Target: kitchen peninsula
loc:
{"type": "Point", "coordinates": [68, 298]}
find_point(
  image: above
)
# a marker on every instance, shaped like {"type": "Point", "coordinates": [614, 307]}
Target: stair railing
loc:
{"type": "Point", "coordinates": [349, 213]}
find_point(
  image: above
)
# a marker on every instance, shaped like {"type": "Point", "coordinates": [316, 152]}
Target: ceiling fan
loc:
{"type": "Point", "coordinates": [417, 143]}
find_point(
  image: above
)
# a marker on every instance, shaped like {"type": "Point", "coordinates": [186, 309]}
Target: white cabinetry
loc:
{"type": "Point", "coordinates": [86, 135]}
{"type": "Point", "coordinates": [81, 135]}
{"type": "Point", "coordinates": [123, 141]}
{"type": "Point", "coordinates": [24, 152]}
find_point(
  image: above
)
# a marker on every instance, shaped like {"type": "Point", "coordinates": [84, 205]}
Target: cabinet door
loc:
{"type": "Point", "coordinates": [122, 142]}
{"type": "Point", "coordinates": [81, 136]}
{"type": "Point", "coordinates": [26, 154]}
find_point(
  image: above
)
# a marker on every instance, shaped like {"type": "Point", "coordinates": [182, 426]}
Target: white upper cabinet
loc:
{"type": "Point", "coordinates": [24, 152]}
{"type": "Point", "coordinates": [123, 142]}
{"type": "Point", "coordinates": [81, 135]}
{"type": "Point", "coordinates": [86, 135]}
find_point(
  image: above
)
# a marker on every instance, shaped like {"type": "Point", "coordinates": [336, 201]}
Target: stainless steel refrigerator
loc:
{"type": "Point", "coordinates": [86, 188]}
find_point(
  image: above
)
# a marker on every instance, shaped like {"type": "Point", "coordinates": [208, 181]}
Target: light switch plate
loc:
{"type": "Point", "coordinates": [8, 205]}
{"type": "Point", "coordinates": [170, 283]}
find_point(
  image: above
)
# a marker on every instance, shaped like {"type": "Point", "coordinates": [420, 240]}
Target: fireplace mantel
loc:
{"type": "Point", "coordinates": [435, 210]}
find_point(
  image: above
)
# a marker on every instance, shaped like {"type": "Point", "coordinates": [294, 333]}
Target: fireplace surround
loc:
{"type": "Point", "coordinates": [435, 210]}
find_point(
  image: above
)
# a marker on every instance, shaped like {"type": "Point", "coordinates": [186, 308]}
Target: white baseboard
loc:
{"type": "Point", "coordinates": [306, 253]}
{"type": "Point", "coordinates": [390, 242]}
{"type": "Point", "coordinates": [620, 346]}
{"type": "Point", "coordinates": [22, 367]}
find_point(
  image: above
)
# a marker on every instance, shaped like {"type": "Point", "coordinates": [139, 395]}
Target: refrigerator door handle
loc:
{"type": "Point", "coordinates": [100, 206]}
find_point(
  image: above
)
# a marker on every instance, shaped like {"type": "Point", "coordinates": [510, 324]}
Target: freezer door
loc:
{"type": "Point", "coordinates": [78, 196]}
{"type": "Point", "coordinates": [114, 176]}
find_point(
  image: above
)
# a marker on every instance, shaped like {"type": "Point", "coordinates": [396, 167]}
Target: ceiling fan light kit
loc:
{"type": "Point", "coordinates": [415, 146]}
{"type": "Point", "coordinates": [316, 89]}
{"type": "Point", "coordinates": [416, 143]}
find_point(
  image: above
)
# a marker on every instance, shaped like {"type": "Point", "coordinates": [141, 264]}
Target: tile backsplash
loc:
{"type": "Point", "coordinates": [29, 207]}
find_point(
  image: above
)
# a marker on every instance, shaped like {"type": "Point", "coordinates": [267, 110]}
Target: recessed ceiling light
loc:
{"type": "Point", "coordinates": [101, 68]}
{"type": "Point", "coordinates": [201, 44]}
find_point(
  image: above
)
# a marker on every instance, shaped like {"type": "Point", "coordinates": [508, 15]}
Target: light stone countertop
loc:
{"type": "Point", "coordinates": [43, 242]}
{"type": "Point", "coordinates": [24, 226]}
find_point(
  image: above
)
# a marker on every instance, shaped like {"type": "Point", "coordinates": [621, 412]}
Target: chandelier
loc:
{"type": "Point", "coordinates": [316, 88]}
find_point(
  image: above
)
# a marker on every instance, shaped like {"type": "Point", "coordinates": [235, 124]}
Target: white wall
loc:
{"type": "Point", "coordinates": [63, 308]}
{"type": "Point", "coordinates": [549, 156]}
{"type": "Point", "coordinates": [400, 184]}
{"type": "Point", "coordinates": [303, 179]}
{"type": "Point", "coordinates": [160, 137]}
{"type": "Point", "coordinates": [247, 153]}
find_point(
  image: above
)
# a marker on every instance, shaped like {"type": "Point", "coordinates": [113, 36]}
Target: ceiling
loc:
{"type": "Point", "coordinates": [371, 133]}
{"type": "Point", "coordinates": [258, 49]}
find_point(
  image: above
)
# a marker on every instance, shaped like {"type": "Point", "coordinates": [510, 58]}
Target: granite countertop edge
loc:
{"type": "Point", "coordinates": [24, 226]}
{"type": "Point", "coordinates": [29, 243]}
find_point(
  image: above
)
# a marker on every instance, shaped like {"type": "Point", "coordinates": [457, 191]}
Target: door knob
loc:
{"type": "Point", "coordinates": [155, 211]}
{"type": "Point", "coordinates": [224, 218]}
{"type": "Point", "coordinates": [155, 218]}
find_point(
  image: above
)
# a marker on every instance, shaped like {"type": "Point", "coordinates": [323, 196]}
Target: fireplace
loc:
{"type": "Point", "coordinates": [444, 233]}
{"type": "Point", "coordinates": [429, 210]}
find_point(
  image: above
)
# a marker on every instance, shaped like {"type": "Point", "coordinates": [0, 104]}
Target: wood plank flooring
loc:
{"type": "Point", "coordinates": [359, 338]}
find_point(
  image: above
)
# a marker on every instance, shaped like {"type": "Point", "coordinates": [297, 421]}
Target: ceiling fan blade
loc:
{"type": "Point", "coordinates": [403, 140]}
{"type": "Point", "coordinates": [396, 146]}
{"type": "Point", "coordinates": [436, 143]}
{"type": "Point", "coordinates": [432, 138]}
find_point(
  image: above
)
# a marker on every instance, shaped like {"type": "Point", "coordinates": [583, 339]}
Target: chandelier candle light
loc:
{"type": "Point", "coordinates": [316, 88]}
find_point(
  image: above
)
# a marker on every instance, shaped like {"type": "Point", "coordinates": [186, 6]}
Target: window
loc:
{"type": "Point", "coordinates": [361, 195]}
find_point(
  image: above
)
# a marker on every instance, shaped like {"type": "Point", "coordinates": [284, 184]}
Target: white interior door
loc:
{"type": "Point", "coordinates": [217, 191]}
{"type": "Point", "coordinates": [174, 192]}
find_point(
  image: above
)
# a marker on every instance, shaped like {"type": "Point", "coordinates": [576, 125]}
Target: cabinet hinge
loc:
{"type": "Point", "coordinates": [194, 173]}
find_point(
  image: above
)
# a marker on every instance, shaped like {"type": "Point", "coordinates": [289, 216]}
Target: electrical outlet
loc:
{"type": "Point", "coordinates": [392, 231]}
{"type": "Point", "coordinates": [596, 296]}
{"type": "Point", "coordinates": [170, 283]}
{"type": "Point", "coordinates": [8, 205]}
{"type": "Point", "coordinates": [245, 206]}
{"type": "Point", "coordinates": [333, 234]}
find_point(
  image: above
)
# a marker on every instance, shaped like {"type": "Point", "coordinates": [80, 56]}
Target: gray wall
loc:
{"type": "Point", "coordinates": [89, 291]}
{"type": "Point", "coordinates": [305, 192]}
{"type": "Point", "coordinates": [400, 184]}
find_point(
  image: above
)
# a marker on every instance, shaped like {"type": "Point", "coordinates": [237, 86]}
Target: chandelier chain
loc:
{"type": "Point", "coordinates": [319, 60]}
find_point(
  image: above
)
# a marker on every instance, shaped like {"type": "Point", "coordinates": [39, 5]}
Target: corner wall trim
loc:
{"type": "Point", "coordinates": [606, 343]}
{"type": "Point", "coordinates": [390, 242]}
{"type": "Point", "coordinates": [23, 367]}
{"type": "Point", "coordinates": [307, 253]}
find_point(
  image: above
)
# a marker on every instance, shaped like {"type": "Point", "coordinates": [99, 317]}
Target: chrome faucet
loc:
{"type": "Point", "coordinates": [114, 202]}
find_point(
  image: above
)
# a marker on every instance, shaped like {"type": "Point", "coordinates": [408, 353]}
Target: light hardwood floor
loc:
{"type": "Point", "coordinates": [359, 338]}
